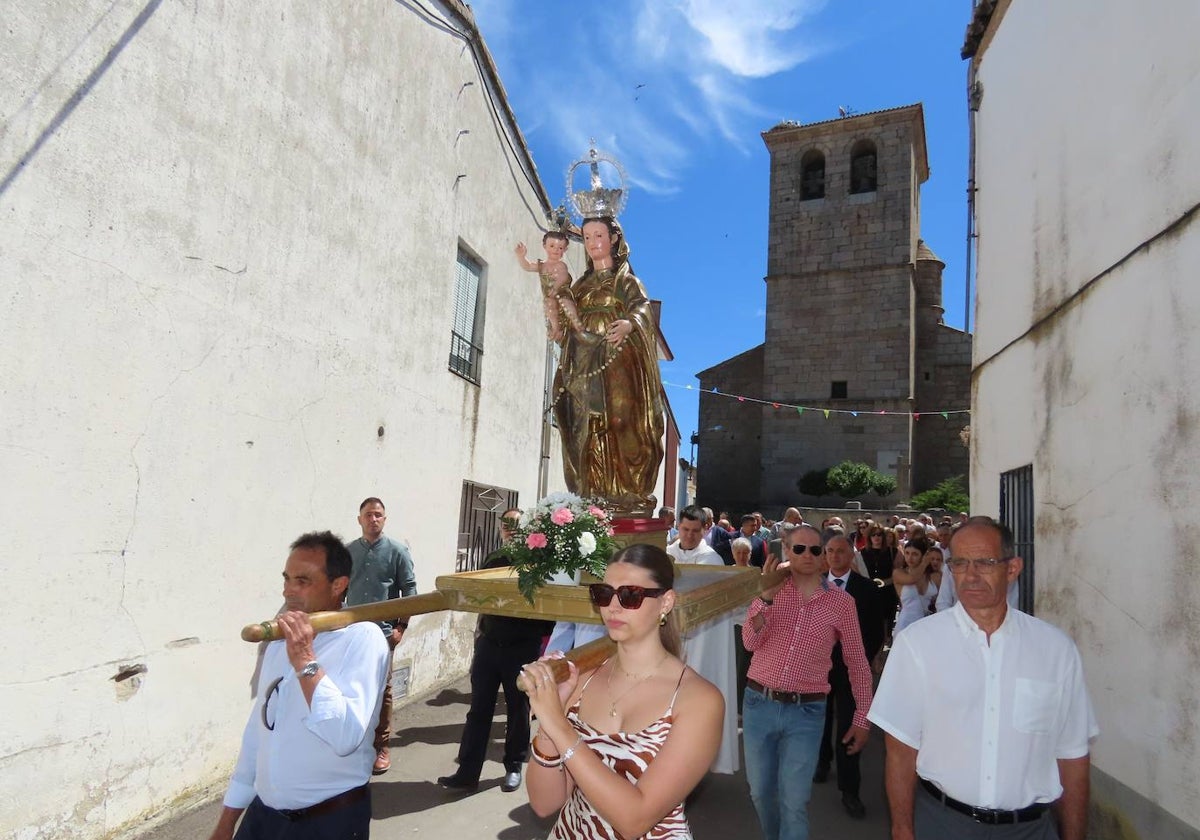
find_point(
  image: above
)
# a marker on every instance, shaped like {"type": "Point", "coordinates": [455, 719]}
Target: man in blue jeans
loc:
{"type": "Point", "coordinates": [791, 630]}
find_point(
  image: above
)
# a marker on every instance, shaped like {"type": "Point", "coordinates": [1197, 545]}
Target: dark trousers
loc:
{"type": "Point", "coordinates": [493, 666]}
{"type": "Point", "coordinates": [840, 711]}
{"type": "Point", "coordinates": [742, 661]}
{"type": "Point", "coordinates": [383, 731]}
{"type": "Point", "coordinates": [934, 821]}
{"type": "Point", "coordinates": [263, 823]}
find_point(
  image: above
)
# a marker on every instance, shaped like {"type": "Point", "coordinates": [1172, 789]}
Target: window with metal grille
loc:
{"type": "Point", "coordinates": [1016, 511]}
{"type": "Point", "coordinates": [466, 333]}
{"type": "Point", "coordinates": [479, 523]}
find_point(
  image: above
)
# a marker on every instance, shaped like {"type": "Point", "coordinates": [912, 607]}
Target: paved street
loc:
{"type": "Point", "coordinates": [408, 803]}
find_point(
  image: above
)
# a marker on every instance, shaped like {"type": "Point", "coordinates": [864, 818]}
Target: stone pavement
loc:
{"type": "Point", "coordinates": [409, 804]}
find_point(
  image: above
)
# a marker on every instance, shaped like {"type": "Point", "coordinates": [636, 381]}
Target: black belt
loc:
{"type": "Point", "coordinates": [783, 696]}
{"type": "Point", "coordinates": [987, 816]}
{"type": "Point", "coordinates": [333, 803]}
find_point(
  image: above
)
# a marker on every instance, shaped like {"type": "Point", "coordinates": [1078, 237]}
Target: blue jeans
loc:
{"type": "Point", "coordinates": [781, 741]}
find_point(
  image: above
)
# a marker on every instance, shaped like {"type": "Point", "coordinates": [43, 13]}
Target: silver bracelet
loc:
{"type": "Point", "coordinates": [570, 751]}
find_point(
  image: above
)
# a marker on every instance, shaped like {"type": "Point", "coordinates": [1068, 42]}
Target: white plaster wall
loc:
{"type": "Point", "coordinates": [1086, 151]}
{"type": "Point", "coordinates": [1085, 147]}
{"type": "Point", "coordinates": [221, 271]}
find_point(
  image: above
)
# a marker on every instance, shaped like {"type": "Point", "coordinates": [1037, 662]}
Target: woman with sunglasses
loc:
{"type": "Point", "coordinates": [620, 748]}
{"type": "Point", "coordinates": [915, 583]}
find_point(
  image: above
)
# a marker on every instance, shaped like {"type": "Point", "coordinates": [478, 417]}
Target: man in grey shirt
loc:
{"type": "Point", "coordinates": [383, 569]}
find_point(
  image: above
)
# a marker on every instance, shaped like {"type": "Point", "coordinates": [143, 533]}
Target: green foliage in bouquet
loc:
{"type": "Point", "coordinates": [561, 533]}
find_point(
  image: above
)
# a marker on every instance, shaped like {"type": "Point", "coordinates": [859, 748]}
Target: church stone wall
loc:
{"type": "Point", "coordinates": [729, 464]}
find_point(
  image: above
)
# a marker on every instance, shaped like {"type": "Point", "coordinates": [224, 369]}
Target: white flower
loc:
{"type": "Point", "coordinates": [587, 543]}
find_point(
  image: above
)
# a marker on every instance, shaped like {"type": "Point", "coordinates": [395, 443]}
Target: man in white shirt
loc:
{"type": "Point", "coordinates": [986, 715]}
{"type": "Point", "coordinates": [709, 648]}
{"type": "Point", "coordinates": [307, 749]}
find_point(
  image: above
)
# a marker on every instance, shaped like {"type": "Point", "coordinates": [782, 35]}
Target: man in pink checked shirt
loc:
{"type": "Point", "coordinates": [791, 630]}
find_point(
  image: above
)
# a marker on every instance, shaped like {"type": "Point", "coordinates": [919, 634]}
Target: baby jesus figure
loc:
{"type": "Point", "coordinates": [557, 298]}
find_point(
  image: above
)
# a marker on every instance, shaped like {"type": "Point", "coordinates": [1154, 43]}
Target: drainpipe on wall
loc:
{"type": "Point", "coordinates": [547, 429]}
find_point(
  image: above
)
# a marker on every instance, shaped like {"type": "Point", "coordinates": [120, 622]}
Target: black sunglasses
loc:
{"type": "Point", "coordinates": [800, 548]}
{"type": "Point", "coordinates": [629, 597]}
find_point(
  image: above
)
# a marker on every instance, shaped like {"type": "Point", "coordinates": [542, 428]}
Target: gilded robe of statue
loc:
{"type": "Point", "coordinates": [608, 401]}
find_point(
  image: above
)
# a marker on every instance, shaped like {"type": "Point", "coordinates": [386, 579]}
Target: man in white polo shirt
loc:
{"type": "Point", "coordinates": [986, 714]}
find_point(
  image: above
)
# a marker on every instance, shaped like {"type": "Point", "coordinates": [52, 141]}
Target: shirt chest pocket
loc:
{"type": "Point", "coordinates": [1035, 705]}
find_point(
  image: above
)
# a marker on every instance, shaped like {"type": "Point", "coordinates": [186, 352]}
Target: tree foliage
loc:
{"type": "Point", "coordinates": [948, 495]}
{"type": "Point", "coordinates": [814, 483]}
{"type": "Point", "coordinates": [884, 484]}
{"type": "Point", "coordinates": [851, 478]}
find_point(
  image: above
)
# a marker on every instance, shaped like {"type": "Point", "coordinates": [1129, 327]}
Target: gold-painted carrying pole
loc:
{"type": "Point", "coordinates": [267, 631]}
{"type": "Point", "coordinates": [703, 592]}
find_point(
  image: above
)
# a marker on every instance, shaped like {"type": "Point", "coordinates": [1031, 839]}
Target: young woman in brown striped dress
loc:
{"type": "Point", "coordinates": [622, 746]}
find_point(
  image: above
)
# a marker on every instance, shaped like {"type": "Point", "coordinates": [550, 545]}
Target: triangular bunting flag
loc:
{"type": "Point", "coordinates": [826, 413]}
{"type": "Point", "coordinates": [799, 409]}
{"type": "Point", "coordinates": [945, 415]}
{"type": "Point", "coordinates": [916, 415]}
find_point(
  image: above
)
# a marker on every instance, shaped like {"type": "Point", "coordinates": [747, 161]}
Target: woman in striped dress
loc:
{"type": "Point", "coordinates": [622, 746]}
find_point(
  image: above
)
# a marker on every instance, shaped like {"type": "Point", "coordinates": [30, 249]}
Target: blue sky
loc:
{"type": "Point", "coordinates": [680, 90]}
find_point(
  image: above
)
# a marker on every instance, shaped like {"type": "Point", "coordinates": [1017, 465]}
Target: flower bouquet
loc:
{"type": "Point", "coordinates": [561, 533]}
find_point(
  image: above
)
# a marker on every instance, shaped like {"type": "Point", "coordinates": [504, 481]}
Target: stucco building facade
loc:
{"type": "Point", "coordinates": [853, 322]}
{"type": "Point", "coordinates": [1086, 412]}
{"type": "Point", "coordinates": [256, 264]}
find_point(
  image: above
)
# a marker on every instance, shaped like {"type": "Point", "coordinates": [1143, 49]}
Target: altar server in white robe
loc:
{"type": "Point", "coordinates": [709, 648]}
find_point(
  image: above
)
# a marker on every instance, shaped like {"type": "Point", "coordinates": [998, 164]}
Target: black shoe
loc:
{"type": "Point", "coordinates": [458, 783]}
{"type": "Point", "coordinates": [821, 774]}
{"type": "Point", "coordinates": [512, 781]}
{"type": "Point", "coordinates": [853, 806]}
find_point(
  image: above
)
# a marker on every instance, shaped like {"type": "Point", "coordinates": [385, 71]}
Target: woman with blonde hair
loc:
{"type": "Point", "coordinates": [620, 748]}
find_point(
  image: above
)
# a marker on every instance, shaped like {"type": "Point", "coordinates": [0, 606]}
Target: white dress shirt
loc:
{"type": "Point", "coordinates": [989, 722]}
{"type": "Point", "coordinates": [568, 635]}
{"type": "Point", "coordinates": [318, 752]}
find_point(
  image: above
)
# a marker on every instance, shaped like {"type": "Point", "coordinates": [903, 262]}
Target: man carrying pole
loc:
{"type": "Point", "coordinates": [307, 750]}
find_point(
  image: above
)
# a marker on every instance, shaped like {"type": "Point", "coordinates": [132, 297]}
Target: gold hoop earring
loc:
{"type": "Point", "coordinates": [662, 620]}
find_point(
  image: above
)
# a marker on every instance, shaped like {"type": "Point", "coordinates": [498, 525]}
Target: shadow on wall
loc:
{"type": "Point", "coordinates": [79, 94]}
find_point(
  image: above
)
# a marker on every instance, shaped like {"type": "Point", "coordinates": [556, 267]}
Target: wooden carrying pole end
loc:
{"type": "Point", "coordinates": [586, 658]}
{"type": "Point", "coordinates": [268, 631]}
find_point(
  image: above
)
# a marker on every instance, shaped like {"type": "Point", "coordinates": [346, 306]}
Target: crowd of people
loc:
{"type": "Point", "coordinates": [907, 624]}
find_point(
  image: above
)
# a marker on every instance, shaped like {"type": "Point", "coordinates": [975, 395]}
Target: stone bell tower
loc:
{"type": "Point", "coordinates": [844, 227]}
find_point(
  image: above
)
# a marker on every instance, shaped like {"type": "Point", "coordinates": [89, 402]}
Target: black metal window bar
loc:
{"type": "Point", "coordinates": [466, 334]}
{"type": "Point", "coordinates": [1016, 511]}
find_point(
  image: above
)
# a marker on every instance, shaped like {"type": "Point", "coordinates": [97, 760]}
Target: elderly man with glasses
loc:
{"type": "Point", "coordinates": [307, 749]}
{"type": "Point", "coordinates": [791, 630]}
{"type": "Point", "coordinates": [987, 719]}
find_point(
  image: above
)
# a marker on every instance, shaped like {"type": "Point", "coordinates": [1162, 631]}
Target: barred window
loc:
{"type": "Point", "coordinates": [466, 333]}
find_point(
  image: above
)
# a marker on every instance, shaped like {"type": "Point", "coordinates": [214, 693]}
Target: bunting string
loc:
{"type": "Point", "coordinates": [800, 409]}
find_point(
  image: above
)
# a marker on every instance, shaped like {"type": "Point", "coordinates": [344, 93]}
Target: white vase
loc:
{"type": "Point", "coordinates": [562, 578]}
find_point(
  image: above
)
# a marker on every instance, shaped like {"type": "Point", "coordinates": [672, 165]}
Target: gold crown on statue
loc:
{"type": "Point", "coordinates": [598, 198]}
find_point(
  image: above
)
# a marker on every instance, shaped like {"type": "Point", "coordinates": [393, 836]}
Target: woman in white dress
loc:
{"type": "Point", "coordinates": [915, 583]}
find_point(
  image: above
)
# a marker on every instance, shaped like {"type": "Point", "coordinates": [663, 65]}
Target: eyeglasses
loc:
{"type": "Point", "coordinates": [986, 564]}
{"type": "Point", "coordinates": [271, 692]}
{"type": "Point", "coordinates": [800, 549]}
{"type": "Point", "coordinates": [629, 597]}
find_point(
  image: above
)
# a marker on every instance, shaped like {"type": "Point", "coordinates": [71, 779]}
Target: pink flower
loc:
{"type": "Point", "coordinates": [597, 512]}
{"type": "Point", "coordinates": [562, 516]}
{"type": "Point", "coordinates": [536, 540]}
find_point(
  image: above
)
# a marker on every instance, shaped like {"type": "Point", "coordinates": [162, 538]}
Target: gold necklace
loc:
{"type": "Point", "coordinates": [612, 707]}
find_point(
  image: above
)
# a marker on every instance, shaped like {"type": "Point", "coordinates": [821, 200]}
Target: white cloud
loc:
{"type": "Point", "coordinates": [652, 81]}
{"type": "Point", "coordinates": [752, 38]}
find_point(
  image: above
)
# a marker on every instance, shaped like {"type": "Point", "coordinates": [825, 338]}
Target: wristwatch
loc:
{"type": "Point", "coordinates": [310, 669]}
